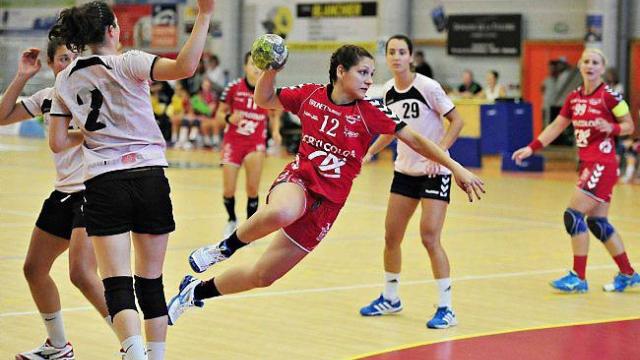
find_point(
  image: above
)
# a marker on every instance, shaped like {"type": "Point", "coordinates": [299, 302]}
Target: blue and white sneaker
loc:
{"type": "Point", "coordinates": [184, 300]}
{"type": "Point", "coordinates": [622, 281]}
{"type": "Point", "coordinates": [203, 258]}
{"type": "Point", "coordinates": [443, 318]}
{"type": "Point", "coordinates": [381, 306]}
{"type": "Point", "coordinates": [570, 283]}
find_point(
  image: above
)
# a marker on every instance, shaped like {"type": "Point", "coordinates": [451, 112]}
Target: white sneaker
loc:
{"type": "Point", "coordinates": [203, 258]}
{"type": "Point", "coordinates": [229, 228]}
{"type": "Point", "coordinates": [48, 352]}
{"type": "Point", "coordinates": [184, 300]}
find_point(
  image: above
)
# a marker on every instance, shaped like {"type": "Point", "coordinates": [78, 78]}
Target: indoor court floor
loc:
{"type": "Point", "coordinates": [503, 249]}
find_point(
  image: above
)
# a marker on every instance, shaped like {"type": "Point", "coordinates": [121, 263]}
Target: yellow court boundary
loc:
{"type": "Point", "coordinates": [464, 337]}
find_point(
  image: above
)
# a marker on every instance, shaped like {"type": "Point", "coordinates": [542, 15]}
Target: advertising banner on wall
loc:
{"type": "Point", "coordinates": [494, 35]}
{"type": "Point", "coordinates": [317, 26]}
{"type": "Point", "coordinates": [135, 25]}
{"type": "Point", "coordinates": [164, 26]}
{"type": "Point", "coordinates": [27, 20]}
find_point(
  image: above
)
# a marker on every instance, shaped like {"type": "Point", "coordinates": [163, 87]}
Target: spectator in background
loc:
{"type": "Point", "coordinates": [611, 78]}
{"type": "Point", "coordinates": [422, 67]}
{"type": "Point", "coordinates": [469, 88]}
{"type": "Point", "coordinates": [211, 129]}
{"type": "Point", "coordinates": [159, 103]}
{"type": "Point", "coordinates": [215, 73]}
{"type": "Point", "coordinates": [176, 111]}
{"type": "Point", "coordinates": [549, 92]}
{"type": "Point", "coordinates": [493, 90]}
{"type": "Point", "coordinates": [193, 84]}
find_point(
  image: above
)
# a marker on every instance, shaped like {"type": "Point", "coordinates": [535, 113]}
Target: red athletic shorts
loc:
{"type": "Point", "coordinates": [234, 153]}
{"type": "Point", "coordinates": [597, 179]}
{"type": "Point", "coordinates": [318, 217]}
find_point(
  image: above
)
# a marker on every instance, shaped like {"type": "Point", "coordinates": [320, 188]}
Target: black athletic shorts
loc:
{"type": "Point", "coordinates": [61, 213]}
{"type": "Point", "coordinates": [129, 200]}
{"type": "Point", "coordinates": [422, 187]}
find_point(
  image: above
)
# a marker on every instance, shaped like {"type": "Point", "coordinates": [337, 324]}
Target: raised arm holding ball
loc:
{"type": "Point", "coordinates": [338, 124]}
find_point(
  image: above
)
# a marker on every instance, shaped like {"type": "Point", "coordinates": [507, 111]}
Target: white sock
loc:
{"type": "Point", "coordinates": [444, 290]}
{"type": "Point", "coordinates": [391, 284]}
{"type": "Point", "coordinates": [134, 348]}
{"type": "Point", "coordinates": [55, 328]}
{"type": "Point", "coordinates": [155, 350]}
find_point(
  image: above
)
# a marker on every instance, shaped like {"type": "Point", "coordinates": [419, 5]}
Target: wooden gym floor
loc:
{"type": "Point", "coordinates": [503, 250]}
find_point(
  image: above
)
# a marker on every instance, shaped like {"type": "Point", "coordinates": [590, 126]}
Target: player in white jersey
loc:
{"type": "Point", "coordinates": [127, 193]}
{"type": "Point", "coordinates": [60, 224]}
{"type": "Point", "coordinates": [420, 102]}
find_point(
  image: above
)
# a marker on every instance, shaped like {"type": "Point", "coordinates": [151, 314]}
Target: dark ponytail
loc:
{"type": "Point", "coordinates": [83, 25]}
{"type": "Point", "coordinates": [347, 56]}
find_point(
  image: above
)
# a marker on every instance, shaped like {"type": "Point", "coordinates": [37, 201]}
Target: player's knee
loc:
{"type": "Point", "coordinates": [430, 240]}
{"type": "Point", "coordinates": [32, 270]}
{"type": "Point", "coordinates": [150, 294]}
{"type": "Point", "coordinates": [282, 217]}
{"type": "Point", "coordinates": [118, 293]}
{"type": "Point", "coordinates": [574, 222]}
{"type": "Point", "coordinates": [80, 277]}
{"type": "Point", "coordinates": [185, 123]}
{"type": "Point", "coordinates": [600, 228]}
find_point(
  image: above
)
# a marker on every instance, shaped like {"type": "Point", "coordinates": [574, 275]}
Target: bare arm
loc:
{"type": "Point", "coordinates": [381, 142]}
{"type": "Point", "coordinates": [188, 58]}
{"type": "Point", "coordinates": [625, 122]}
{"type": "Point", "coordinates": [265, 92]}
{"type": "Point", "coordinates": [223, 110]}
{"type": "Point", "coordinates": [455, 126]}
{"type": "Point", "coordinates": [10, 111]}
{"type": "Point", "coordinates": [60, 138]}
{"type": "Point", "coordinates": [465, 179]}
{"type": "Point", "coordinates": [549, 134]}
{"type": "Point", "coordinates": [274, 123]}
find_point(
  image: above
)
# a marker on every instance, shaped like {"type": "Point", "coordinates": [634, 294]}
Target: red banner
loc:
{"type": "Point", "coordinates": [135, 24]}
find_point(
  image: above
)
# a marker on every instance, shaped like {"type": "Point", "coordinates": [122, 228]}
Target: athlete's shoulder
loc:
{"type": "Point", "coordinates": [611, 92]}
{"type": "Point", "coordinates": [425, 83]}
{"type": "Point", "coordinates": [376, 105]}
{"type": "Point", "coordinates": [304, 86]}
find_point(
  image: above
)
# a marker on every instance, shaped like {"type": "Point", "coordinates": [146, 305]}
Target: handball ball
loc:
{"type": "Point", "coordinates": [269, 52]}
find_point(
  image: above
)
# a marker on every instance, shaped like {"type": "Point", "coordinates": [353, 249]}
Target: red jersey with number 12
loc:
{"type": "Point", "coordinates": [335, 138]}
{"type": "Point", "coordinates": [585, 110]}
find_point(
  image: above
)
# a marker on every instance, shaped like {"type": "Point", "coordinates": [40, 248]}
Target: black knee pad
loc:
{"type": "Point", "coordinates": [150, 293]}
{"type": "Point", "coordinates": [196, 123]}
{"type": "Point", "coordinates": [574, 222]}
{"type": "Point", "coordinates": [600, 228]}
{"type": "Point", "coordinates": [184, 123]}
{"type": "Point", "coordinates": [118, 293]}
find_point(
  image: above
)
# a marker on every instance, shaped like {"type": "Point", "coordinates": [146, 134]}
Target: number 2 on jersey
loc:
{"type": "Point", "coordinates": [92, 123]}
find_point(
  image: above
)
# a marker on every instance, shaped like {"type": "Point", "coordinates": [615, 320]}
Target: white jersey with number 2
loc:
{"type": "Point", "coordinates": [108, 98]}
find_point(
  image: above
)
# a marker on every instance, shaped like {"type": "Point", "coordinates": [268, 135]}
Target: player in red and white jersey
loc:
{"type": "Point", "coordinates": [244, 141]}
{"type": "Point", "coordinates": [60, 225]}
{"type": "Point", "coordinates": [127, 194]}
{"type": "Point", "coordinates": [421, 102]}
{"type": "Point", "coordinates": [598, 115]}
{"type": "Point", "coordinates": [338, 125]}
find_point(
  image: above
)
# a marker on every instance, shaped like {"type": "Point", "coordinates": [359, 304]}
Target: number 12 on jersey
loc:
{"type": "Point", "coordinates": [334, 125]}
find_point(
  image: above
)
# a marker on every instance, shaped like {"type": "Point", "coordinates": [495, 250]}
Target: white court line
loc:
{"type": "Point", "coordinates": [342, 288]}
